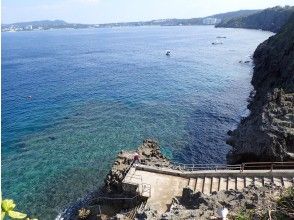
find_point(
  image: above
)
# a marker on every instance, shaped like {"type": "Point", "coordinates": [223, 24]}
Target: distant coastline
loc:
{"type": "Point", "coordinates": [60, 24]}
{"type": "Point", "coordinates": [276, 17]}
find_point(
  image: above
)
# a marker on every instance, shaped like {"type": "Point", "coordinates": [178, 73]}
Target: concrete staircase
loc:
{"type": "Point", "coordinates": [208, 184]}
{"type": "Point", "coordinates": [158, 185]}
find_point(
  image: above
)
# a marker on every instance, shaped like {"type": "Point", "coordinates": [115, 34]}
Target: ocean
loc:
{"type": "Point", "coordinates": [72, 99]}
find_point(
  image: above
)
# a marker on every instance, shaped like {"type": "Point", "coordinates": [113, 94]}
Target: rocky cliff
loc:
{"type": "Point", "coordinates": [267, 134]}
{"type": "Point", "coordinates": [248, 203]}
{"type": "Point", "coordinates": [271, 19]}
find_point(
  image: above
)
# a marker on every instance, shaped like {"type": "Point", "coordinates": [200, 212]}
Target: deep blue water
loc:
{"type": "Point", "coordinates": [98, 91]}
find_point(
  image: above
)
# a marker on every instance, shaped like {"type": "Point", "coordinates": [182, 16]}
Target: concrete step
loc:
{"type": "Point", "coordinates": [199, 184]}
{"type": "Point", "coordinates": [223, 183]}
{"type": "Point", "coordinates": [267, 181]}
{"type": "Point", "coordinates": [215, 184]}
{"type": "Point", "coordinates": [146, 195]}
{"type": "Point", "coordinates": [207, 185]}
{"type": "Point", "coordinates": [258, 182]}
{"type": "Point", "coordinates": [240, 183]}
{"type": "Point", "coordinates": [248, 181]}
{"type": "Point", "coordinates": [288, 182]}
{"type": "Point", "coordinates": [277, 181]}
{"type": "Point", "coordinates": [192, 183]}
{"type": "Point", "coordinates": [231, 183]}
{"type": "Point", "coordinates": [145, 190]}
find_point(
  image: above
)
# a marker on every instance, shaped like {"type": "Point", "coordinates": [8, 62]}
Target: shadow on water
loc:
{"type": "Point", "coordinates": [206, 131]}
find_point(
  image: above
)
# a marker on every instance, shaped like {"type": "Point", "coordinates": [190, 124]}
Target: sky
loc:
{"type": "Point", "coordinates": [105, 11]}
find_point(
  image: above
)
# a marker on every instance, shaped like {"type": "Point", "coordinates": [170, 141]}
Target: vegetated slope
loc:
{"type": "Point", "coordinates": [271, 19]}
{"type": "Point", "coordinates": [190, 21]}
{"type": "Point", "coordinates": [234, 14]}
{"type": "Point", "coordinates": [267, 134]}
{"type": "Point", "coordinates": [43, 25]}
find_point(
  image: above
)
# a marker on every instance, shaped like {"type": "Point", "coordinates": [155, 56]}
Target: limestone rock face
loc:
{"type": "Point", "coordinates": [149, 154]}
{"type": "Point", "coordinates": [267, 134]}
{"type": "Point", "coordinates": [201, 206]}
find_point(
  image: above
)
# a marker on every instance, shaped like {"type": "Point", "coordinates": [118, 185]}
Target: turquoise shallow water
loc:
{"type": "Point", "coordinates": [98, 91]}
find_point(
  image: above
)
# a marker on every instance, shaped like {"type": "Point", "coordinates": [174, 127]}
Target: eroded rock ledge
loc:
{"type": "Point", "coordinates": [267, 134]}
{"type": "Point", "coordinates": [149, 154]}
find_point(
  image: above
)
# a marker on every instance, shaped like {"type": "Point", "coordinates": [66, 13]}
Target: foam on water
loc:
{"type": "Point", "coordinates": [96, 92]}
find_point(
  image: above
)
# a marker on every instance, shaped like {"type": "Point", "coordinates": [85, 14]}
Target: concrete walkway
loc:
{"type": "Point", "coordinates": [166, 183]}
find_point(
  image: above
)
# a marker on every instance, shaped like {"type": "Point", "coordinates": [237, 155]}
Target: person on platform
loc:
{"type": "Point", "coordinates": [136, 159]}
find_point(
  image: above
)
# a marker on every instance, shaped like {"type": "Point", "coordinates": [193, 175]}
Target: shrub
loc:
{"type": "Point", "coordinates": [84, 213]}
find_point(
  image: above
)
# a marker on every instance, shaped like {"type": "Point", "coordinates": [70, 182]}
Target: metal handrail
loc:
{"type": "Point", "coordinates": [241, 167]}
{"type": "Point", "coordinates": [114, 198]}
{"type": "Point", "coordinates": [269, 165]}
{"type": "Point", "coordinates": [146, 189]}
{"type": "Point", "coordinates": [202, 164]}
{"type": "Point", "coordinates": [195, 167]}
{"type": "Point", "coordinates": [131, 212]}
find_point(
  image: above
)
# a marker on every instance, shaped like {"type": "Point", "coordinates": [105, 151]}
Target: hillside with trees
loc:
{"type": "Point", "coordinates": [270, 19]}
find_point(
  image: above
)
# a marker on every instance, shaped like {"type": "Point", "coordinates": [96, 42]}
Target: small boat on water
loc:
{"type": "Point", "coordinates": [167, 53]}
{"type": "Point", "coordinates": [216, 43]}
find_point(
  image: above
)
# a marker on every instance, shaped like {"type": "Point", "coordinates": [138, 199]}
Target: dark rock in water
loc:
{"type": "Point", "coordinates": [20, 145]}
{"type": "Point", "coordinates": [52, 138]}
{"type": "Point", "coordinates": [230, 132]}
{"type": "Point", "coordinates": [267, 134]}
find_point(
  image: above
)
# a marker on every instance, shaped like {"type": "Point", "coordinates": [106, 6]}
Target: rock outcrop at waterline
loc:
{"type": "Point", "coordinates": [149, 154]}
{"type": "Point", "coordinates": [267, 134]}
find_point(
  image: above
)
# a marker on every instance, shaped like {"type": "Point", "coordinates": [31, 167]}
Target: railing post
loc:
{"type": "Point", "coordinates": [272, 167]}
{"type": "Point", "coordinates": [99, 216]}
{"type": "Point", "coordinates": [242, 167]}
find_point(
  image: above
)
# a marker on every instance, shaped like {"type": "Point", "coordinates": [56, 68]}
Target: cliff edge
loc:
{"type": "Point", "coordinates": [267, 134]}
{"type": "Point", "coordinates": [270, 19]}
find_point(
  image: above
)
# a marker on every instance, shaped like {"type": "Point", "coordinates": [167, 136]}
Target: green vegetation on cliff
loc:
{"type": "Point", "coordinates": [271, 19]}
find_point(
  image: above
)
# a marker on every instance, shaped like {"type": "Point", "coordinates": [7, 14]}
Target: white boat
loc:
{"type": "Point", "coordinates": [216, 43]}
{"type": "Point", "coordinates": [167, 53]}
